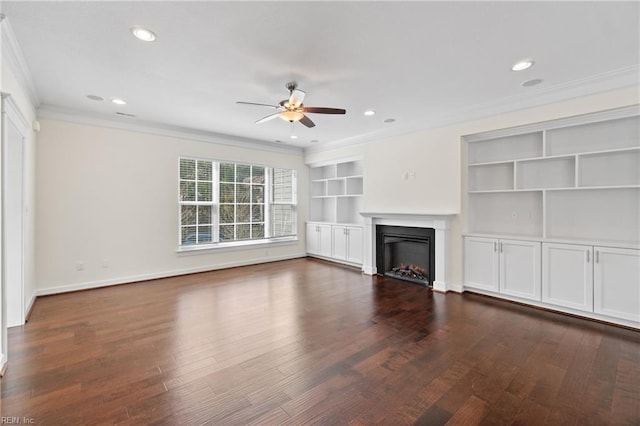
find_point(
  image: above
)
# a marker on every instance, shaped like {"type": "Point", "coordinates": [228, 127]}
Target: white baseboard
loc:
{"type": "Point", "coordinates": [29, 306]}
{"type": "Point", "coordinates": [3, 364]}
{"type": "Point", "coordinates": [156, 275]}
{"type": "Point", "coordinates": [456, 288]}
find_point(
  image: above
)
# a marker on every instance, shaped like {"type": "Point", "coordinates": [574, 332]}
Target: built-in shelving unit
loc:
{"type": "Point", "coordinates": [334, 230]}
{"type": "Point", "coordinates": [561, 197]}
{"type": "Point", "coordinates": [336, 192]}
{"type": "Point", "coordinates": [558, 182]}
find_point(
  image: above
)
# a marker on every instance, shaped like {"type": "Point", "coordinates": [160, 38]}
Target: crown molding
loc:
{"type": "Point", "coordinates": [529, 98]}
{"type": "Point", "coordinates": [94, 119]}
{"type": "Point", "coordinates": [12, 53]}
{"type": "Point", "coordinates": [12, 111]}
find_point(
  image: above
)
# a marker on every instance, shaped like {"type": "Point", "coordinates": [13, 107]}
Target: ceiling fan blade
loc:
{"type": "Point", "coordinates": [307, 121]}
{"type": "Point", "coordinates": [268, 117]}
{"type": "Point", "coordinates": [253, 103]}
{"type": "Point", "coordinates": [323, 110]}
{"type": "Point", "coordinates": [296, 98]}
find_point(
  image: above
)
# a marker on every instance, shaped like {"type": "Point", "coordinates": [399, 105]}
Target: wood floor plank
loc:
{"type": "Point", "coordinates": [309, 342]}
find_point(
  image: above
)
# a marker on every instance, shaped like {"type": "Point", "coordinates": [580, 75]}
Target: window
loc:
{"type": "Point", "coordinates": [226, 202]}
{"type": "Point", "coordinates": [283, 203]}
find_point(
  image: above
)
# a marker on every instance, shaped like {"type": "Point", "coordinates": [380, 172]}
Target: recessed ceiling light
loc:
{"type": "Point", "coordinates": [530, 83]}
{"type": "Point", "coordinates": [522, 65]}
{"type": "Point", "coordinates": [294, 137]}
{"type": "Point", "coordinates": [143, 34]}
{"type": "Point", "coordinates": [95, 97]}
{"type": "Point", "coordinates": [370, 112]}
{"type": "Point", "coordinates": [119, 101]}
{"type": "Point", "coordinates": [390, 120]}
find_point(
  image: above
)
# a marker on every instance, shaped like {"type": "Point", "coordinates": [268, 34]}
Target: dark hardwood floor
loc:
{"type": "Point", "coordinates": [304, 341]}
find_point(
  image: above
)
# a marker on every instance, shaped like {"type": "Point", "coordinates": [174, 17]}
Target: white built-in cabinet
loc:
{"type": "Point", "coordinates": [503, 266]}
{"type": "Point", "coordinates": [319, 239]}
{"type": "Point", "coordinates": [573, 187]}
{"type": "Point", "coordinates": [567, 275]}
{"type": "Point", "coordinates": [616, 283]}
{"type": "Point", "coordinates": [347, 243]}
{"type": "Point", "coordinates": [336, 202]}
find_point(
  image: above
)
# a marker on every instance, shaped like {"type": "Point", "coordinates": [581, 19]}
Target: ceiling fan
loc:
{"type": "Point", "coordinates": [293, 109]}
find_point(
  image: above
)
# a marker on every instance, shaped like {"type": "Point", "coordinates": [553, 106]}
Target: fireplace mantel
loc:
{"type": "Point", "coordinates": [438, 221]}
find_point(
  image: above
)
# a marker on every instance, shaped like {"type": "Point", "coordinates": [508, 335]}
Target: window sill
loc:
{"type": "Point", "coordinates": [235, 245]}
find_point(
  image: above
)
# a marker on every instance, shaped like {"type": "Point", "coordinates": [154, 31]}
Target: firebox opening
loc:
{"type": "Point", "coordinates": [406, 253]}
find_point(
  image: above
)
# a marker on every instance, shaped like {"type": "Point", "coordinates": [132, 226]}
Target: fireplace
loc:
{"type": "Point", "coordinates": [440, 221]}
{"type": "Point", "coordinates": [406, 253]}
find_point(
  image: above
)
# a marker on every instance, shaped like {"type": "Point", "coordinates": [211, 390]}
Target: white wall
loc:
{"type": "Point", "coordinates": [436, 158]}
{"type": "Point", "coordinates": [107, 198]}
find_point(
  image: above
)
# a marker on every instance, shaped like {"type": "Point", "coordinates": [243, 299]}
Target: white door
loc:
{"type": "Point", "coordinates": [567, 275]}
{"type": "Point", "coordinates": [13, 214]}
{"type": "Point", "coordinates": [313, 240]}
{"type": "Point", "coordinates": [339, 249]}
{"type": "Point", "coordinates": [481, 263]}
{"type": "Point", "coordinates": [354, 244]}
{"type": "Point", "coordinates": [616, 283]}
{"type": "Point", "coordinates": [520, 268]}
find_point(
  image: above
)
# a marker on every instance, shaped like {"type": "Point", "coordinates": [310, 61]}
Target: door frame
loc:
{"type": "Point", "coordinates": [12, 116]}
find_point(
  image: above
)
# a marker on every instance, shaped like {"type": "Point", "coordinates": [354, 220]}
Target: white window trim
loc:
{"type": "Point", "coordinates": [236, 245]}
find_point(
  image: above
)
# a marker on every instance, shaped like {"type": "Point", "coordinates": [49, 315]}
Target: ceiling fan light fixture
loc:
{"type": "Point", "coordinates": [291, 116]}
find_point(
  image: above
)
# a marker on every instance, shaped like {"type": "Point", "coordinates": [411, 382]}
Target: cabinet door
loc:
{"type": "Point", "coordinates": [339, 243]}
{"type": "Point", "coordinates": [324, 247]}
{"type": "Point", "coordinates": [520, 268]}
{"type": "Point", "coordinates": [481, 263]}
{"type": "Point", "coordinates": [616, 283]}
{"type": "Point", "coordinates": [312, 238]}
{"type": "Point", "coordinates": [354, 244]}
{"type": "Point", "coordinates": [567, 275]}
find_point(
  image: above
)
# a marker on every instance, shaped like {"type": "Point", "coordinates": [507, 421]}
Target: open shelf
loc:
{"type": "Point", "coordinates": [324, 172]}
{"type": "Point", "coordinates": [558, 172]}
{"type": "Point", "coordinates": [602, 135]}
{"type": "Point", "coordinates": [496, 176]}
{"type": "Point", "coordinates": [514, 213]}
{"type": "Point", "coordinates": [609, 168]}
{"type": "Point", "coordinates": [354, 185]}
{"type": "Point", "coordinates": [506, 148]}
{"type": "Point", "coordinates": [350, 168]}
{"type": "Point", "coordinates": [335, 187]}
{"type": "Point", "coordinates": [318, 188]}
{"type": "Point", "coordinates": [594, 214]}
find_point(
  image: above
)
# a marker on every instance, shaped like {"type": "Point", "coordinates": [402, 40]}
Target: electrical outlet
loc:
{"type": "Point", "coordinates": [79, 266]}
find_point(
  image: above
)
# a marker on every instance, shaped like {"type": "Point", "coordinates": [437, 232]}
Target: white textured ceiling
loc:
{"type": "Point", "coordinates": [420, 63]}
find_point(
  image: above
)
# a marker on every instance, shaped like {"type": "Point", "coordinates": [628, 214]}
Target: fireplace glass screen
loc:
{"type": "Point", "coordinates": [405, 253]}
